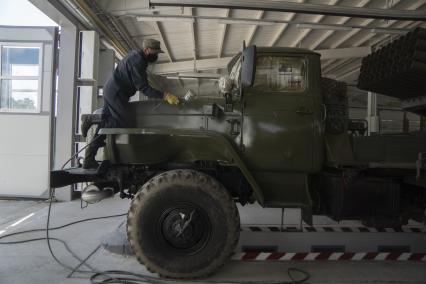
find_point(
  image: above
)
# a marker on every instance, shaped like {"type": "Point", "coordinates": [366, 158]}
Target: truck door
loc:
{"type": "Point", "coordinates": [278, 116]}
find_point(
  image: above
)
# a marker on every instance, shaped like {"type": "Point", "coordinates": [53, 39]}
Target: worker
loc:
{"type": "Point", "coordinates": [128, 77]}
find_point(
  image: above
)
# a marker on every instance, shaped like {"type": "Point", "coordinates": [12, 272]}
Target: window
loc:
{"type": "Point", "coordinates": [280, 74]}
{"type": "Point", "coordinates": [20, 77]}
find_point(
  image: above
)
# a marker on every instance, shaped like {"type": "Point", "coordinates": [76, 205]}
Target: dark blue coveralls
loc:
{"type": "Point", "coordinates": [128, 77]}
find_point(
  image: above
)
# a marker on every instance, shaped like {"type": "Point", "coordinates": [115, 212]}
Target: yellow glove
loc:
{"type": "Point", "coordinates": [171, 99]}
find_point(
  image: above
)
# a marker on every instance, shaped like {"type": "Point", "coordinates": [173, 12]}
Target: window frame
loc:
{"type": "Point", "coordinates": [39, 78]}
{"type": "Point", "coordinates": [305, 62]}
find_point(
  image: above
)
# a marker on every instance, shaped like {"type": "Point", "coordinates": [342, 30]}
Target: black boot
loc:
{"type": "Point", "coordinates": [89, 157]}
{"type": "Point", "coordinates": [87, 120]}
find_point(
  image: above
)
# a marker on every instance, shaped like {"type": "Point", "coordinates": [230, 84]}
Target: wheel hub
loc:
{"type": "Point", "coordinates": [183, 227]}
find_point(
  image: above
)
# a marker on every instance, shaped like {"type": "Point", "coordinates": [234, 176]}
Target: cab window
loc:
{"type": "Point", "coordinates": [280, 74]}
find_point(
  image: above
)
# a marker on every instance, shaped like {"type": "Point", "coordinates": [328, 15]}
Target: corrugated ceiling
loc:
{"type": "Point", "coordinates": [213, 40]}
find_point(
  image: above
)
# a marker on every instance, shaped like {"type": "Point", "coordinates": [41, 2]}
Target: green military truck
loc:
{"type": "Point", "coordinates": [278, 135]}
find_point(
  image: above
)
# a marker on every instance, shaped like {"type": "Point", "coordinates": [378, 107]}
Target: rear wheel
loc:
{"type": "Point", "coordinates": [183, 224]}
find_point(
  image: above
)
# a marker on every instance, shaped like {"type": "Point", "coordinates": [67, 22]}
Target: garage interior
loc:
{"type": "Point", "coordinates": [56, 61]}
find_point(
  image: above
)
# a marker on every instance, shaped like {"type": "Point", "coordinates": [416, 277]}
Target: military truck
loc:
{"type": "Point", "coordinates": [277, 135]}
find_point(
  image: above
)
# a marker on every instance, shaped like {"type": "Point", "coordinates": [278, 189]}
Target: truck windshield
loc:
{"type": "Point", "coordinates": [280, 74]}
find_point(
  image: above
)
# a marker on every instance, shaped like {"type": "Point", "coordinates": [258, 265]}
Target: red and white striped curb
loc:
{"type": "Point", "coordinates": [333, 229]}
{"type": "Point", "coordinates": [352, 256]}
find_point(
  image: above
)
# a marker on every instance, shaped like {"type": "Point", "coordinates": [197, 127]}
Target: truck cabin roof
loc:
{"type": "Point", "coordinates": [264, 49]}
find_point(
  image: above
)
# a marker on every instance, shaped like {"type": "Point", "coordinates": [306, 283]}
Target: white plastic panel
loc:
{"type": "Point", "coordinates": [24, 155]}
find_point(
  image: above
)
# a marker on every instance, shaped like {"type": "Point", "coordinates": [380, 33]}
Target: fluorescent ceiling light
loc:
{"type": "Point", "coordinates": [164, 19]}
{"type": "Point", "coordinates": [245, 22]}
{"type": "Point", "coordinates": [324, 27]}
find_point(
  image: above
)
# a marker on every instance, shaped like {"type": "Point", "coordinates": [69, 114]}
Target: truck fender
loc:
{"type": "Point", "coordinates": [214, 144]}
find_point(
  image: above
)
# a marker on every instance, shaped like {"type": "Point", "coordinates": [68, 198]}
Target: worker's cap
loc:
{"type": "Point", "coordinates": [153, 44]}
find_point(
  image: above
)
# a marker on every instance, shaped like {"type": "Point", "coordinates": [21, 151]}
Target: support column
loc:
{"type": "Point", "coordinates": [89, 55]}
{"type": "Point", "coordinates": [373, 117]}
{"type": "Point", "coordinates": [65, 119]}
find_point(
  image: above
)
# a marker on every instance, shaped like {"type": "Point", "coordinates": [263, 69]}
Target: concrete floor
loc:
{"type": "Point", "coordinates": [12, 210]}
{"type": "Point", "coordinates": [32, 263]}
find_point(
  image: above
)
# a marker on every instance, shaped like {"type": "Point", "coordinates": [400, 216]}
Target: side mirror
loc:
{"type": "Point", "coordinates": [248, 66]}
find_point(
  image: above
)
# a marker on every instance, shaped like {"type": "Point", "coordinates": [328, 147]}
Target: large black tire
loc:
{"type": "Point", "coordinates": [156, 225]}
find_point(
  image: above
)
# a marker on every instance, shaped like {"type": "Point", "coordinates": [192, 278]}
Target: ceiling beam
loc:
{"type": "Point", "coordinates": [335, 64]}
{"type": "Point", "coordinates": [253, 30]}
{"type": "Point", "coordinates": [121, 7]}
{"type": "Point", "coordinates": [222, 35]}
{"type": "Point", "coordinates": [101, 27]}
{"type": "Point", "coordinates": [399, 24]}
{"type": "Point", "coordinates": [159, 31]}
{"type": "Point", "coordinates": [336, 69]}
{"type": "Point", "coordinates": [219, 63]}
{"type": "Point", "coordinates": [305, 32]}
{"type": "Point", "coordinates": [188, 66]}
{"type": "Point", "coordinates": [113, 24]}
{"type": "Point", "coordinates": [350, 34]}
{"type": "Point", "coordinates": [261, 22]}
{"type": "Point", "coordinates": [305, 8]}
{"type": "Point", "coordinates": [354, 64]}
{"type": "Point", "coordinates": [334, 54]}
{"type": "Point", "coordinates": [355, 31]}
{"type": "Point", "coordinates": [414, 6]}
{"type": "Point", "coordinates": [277, 35]}
{"type": "Point", "coordinates": [198, 75]}
{"type": "Point", "coordinates": [343, 21]}
{"type": "Point", "coordinates": [339, 53]}
{"type": "Point", "coordinates": [193, 36]}
{"type": "Point", "coordinates": [328, 63]}
{"type": "Point", "coordinates": [386, 38]}
{"type": "Point", "coordinates": [350, 73]}
{"type": "Point", "coordinates": [356, 67]}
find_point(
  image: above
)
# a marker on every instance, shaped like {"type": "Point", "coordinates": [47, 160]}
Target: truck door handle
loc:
{"type": "Point", "coordinates": [303, 111]}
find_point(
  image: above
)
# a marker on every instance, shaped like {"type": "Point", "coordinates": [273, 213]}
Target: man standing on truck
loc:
{"type": "Point", "coordinates": [128, 77]}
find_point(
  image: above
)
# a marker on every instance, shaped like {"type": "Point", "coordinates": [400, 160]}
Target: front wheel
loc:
{"type": "Point", "coordinates": [183, 224]}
